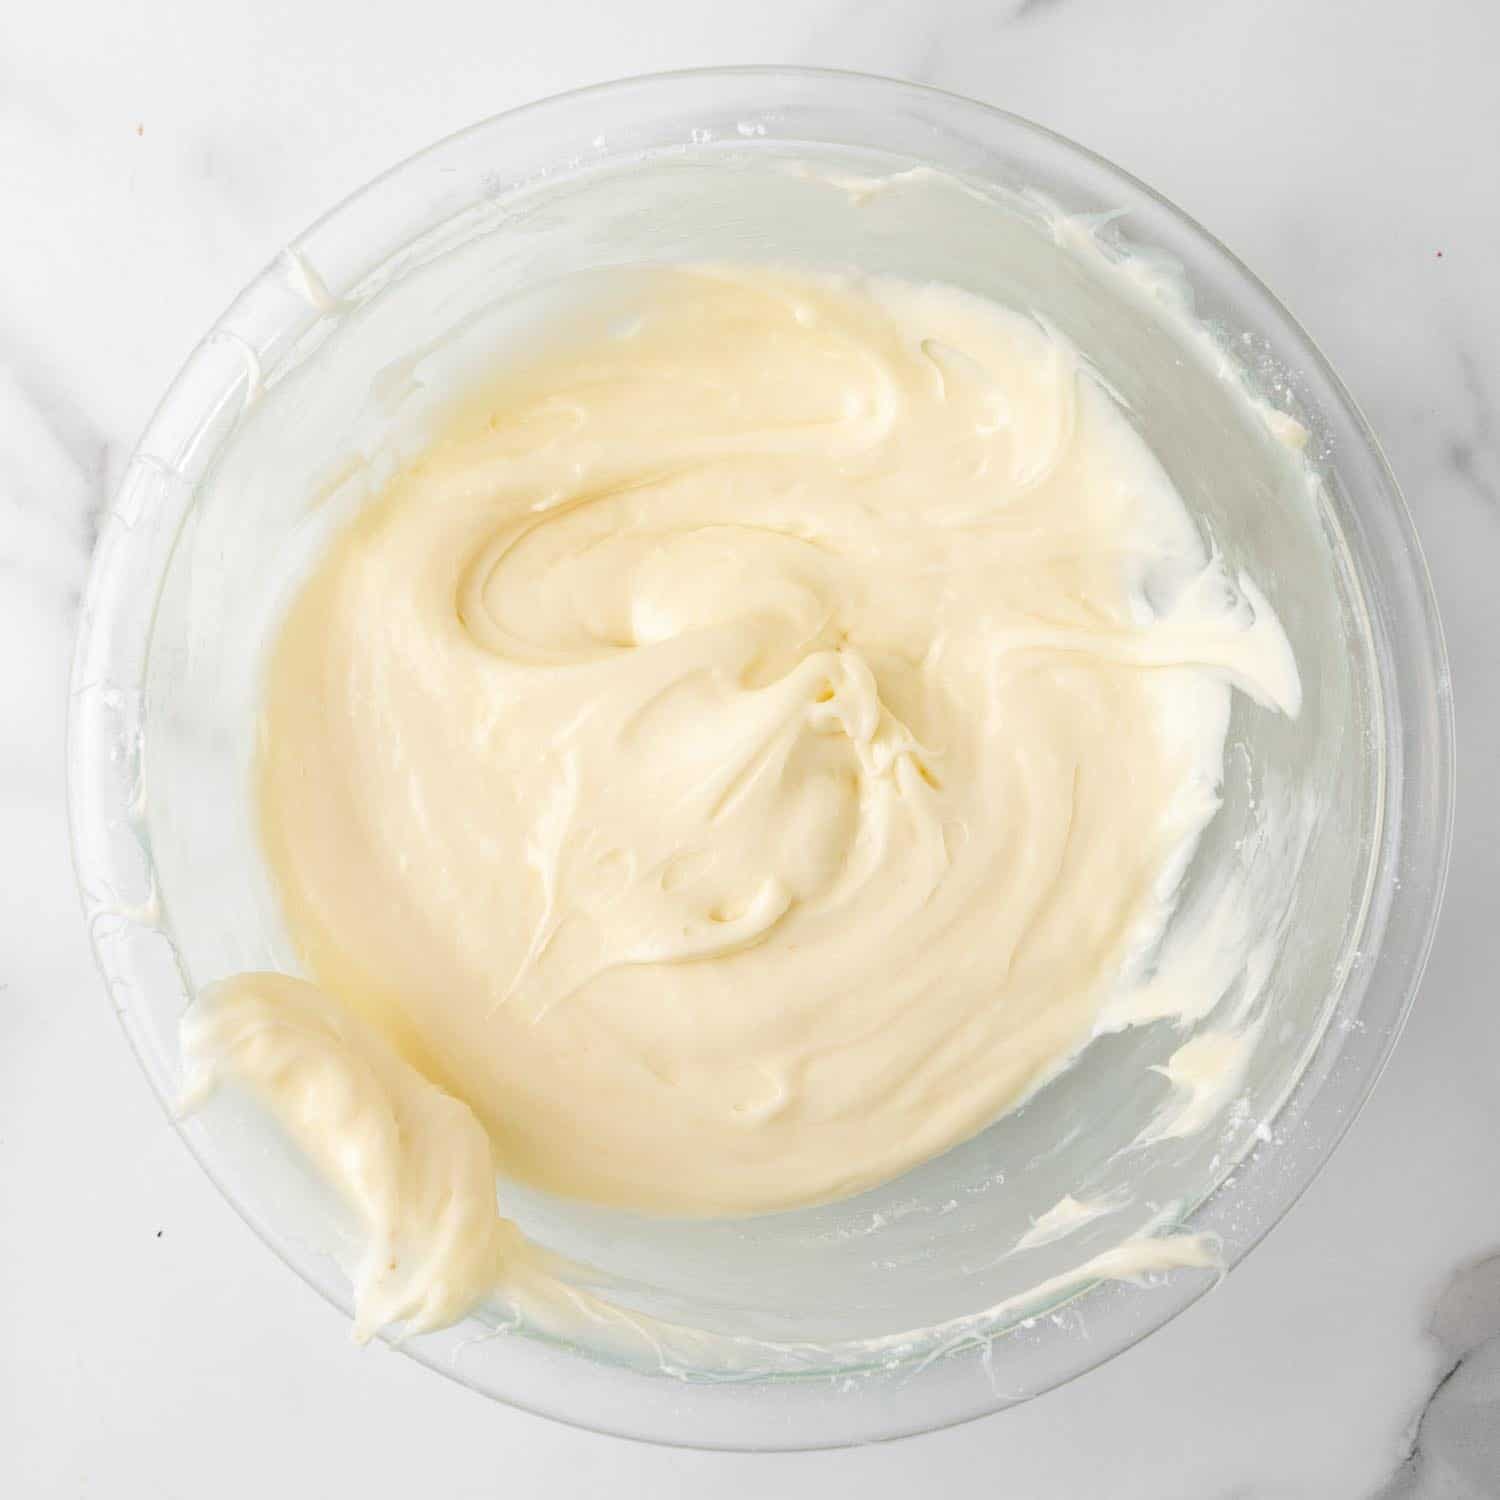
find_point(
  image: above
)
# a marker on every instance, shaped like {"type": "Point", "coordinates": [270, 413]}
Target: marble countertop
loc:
{"type": "Point", "coordinates": [154, 155]}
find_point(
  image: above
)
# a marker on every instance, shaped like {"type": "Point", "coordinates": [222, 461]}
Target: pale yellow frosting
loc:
{"type": "Point", "coordinates": [741, 758]}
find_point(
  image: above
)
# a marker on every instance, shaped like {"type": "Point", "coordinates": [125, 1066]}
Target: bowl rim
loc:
{"type": "Point", "coordinates": [1411, 848]}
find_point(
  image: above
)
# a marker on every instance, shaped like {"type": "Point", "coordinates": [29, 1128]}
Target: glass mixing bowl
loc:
{"type": "Point", "coordinates": [323, 373]}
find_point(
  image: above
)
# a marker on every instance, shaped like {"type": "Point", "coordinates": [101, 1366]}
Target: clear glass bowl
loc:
{"type": "Point", "coordinates": [247, 458]}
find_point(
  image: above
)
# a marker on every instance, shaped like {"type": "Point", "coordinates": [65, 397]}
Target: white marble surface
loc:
{"type": "Point", "coordinates": [153, 155]}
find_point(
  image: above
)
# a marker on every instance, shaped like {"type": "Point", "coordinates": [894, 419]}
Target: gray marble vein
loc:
{"type": "Point", "coordinates": [1455, 1444]}
{"type": "Point", "coordinates": [56, 471]}
{"type": "Point", "coordinates": [1474, 455]}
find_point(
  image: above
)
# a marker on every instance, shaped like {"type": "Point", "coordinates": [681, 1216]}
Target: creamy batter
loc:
{"type": "Point", "coordinates": [748, 752]}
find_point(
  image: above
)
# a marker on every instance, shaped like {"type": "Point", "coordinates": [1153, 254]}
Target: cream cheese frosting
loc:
{"type": "Point", "coordinates": [753, 747]}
